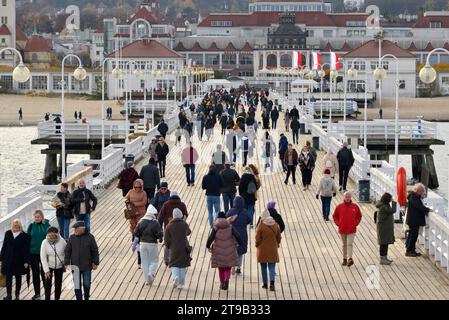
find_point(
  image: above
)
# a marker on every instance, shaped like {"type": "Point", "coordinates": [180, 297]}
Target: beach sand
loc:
{"type": "Point", "coordinates": [34, 108]}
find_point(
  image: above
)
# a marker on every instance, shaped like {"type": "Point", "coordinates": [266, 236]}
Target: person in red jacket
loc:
{"type": "Point", "coordinates": [347, 217]}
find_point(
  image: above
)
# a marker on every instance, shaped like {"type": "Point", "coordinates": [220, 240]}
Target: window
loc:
{"type": "Point", "coordinates": [3, 40]}
{"type": "Point", "coordinates": [355, 23]}
{"type": "Point", "coordinates": [311, 33]}
{"type": "Point", "coordinates": [24, 85]}
{"type": "Point", "coordinates": [349, 33]}
{"type": "Point", "coordinates": [358, 65]}
{"type": "Point", "coordinates": [221, 23]}
{"type": "Point", "coordinates": [6, 82]}
{"type": "Point", "coordinates": [39, 83]}
{"type": "Point", "coordinates": [229, 58]}
{"type": "Point", "coordinates": [377, 84]}
{"type": "Point", "coordinates": [375, 64]}
{"type": "Point", "coordinates": [80, 85]}
{"type": "Point", "coordinates": [435, 24]}
{"type": "Point", "coordinates": [142, 84]}
{"type": "Point", "coordinates": [445, 80]}
{"type": "Point", "coordinates": [356, 86]}
{"type": "Point", "coordinates": [246, 59]}
{"type": "Point", "coordinates": [34, 57]}
{"type": "Point", "coordinates": [4, 3]}
{"type": "Point", "coordinates": [212, 59]}
{"type": "Point", "coordinates": [327, 33]}
{"type": "Point", "coordinates": [57, 82]}
{"type": "Point", "coordinates": [401, 84]}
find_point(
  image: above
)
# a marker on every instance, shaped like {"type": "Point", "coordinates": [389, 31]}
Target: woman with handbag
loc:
{"type": "Point", "coordinates": [222, 243]}
{"type": "Point", "coordinates": [268, 239]}
{"type": "Point", "coordinates": [15, 257]}
{"type": "Point", "coordinates": [52, 258]}
{"type": "Point", "coordinates": [136, 201]}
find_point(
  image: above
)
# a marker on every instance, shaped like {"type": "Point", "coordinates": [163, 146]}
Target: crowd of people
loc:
{"type": "Point", "coordinates": [157, 215]}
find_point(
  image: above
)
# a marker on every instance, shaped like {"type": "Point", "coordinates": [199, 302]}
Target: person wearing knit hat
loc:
{"type": "Point", "coordinates": [146, 235]}
{"type": "Point", "coordinates": [268, 239]}
{"type": "Point", "coordinates": [177, 244]}
{"type": "Point", "coordinates": [330, 162]}
{"type": "Point", "coordinates": [51, 257]}
{"type": "Point", "coordinates": [162, 196]}
{"type": "Point", "coordinates": [327, 188]}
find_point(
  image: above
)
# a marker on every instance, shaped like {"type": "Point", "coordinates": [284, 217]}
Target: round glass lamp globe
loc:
{"type": "Point", "coordinates": [116, 73]}
{"type": "Point", "coordinates": [21, 73]}
{"type": "Point", "coordinates": [380, 73]}
{"type": "Point", "coordinates": [428, 74]}
{"type": "Point", "coordinates": [333, 74]}
{"type": "Point", "coordinates": [321, 73]}
{"type": "Point", "coordinates": [352, 73]}
{"type": "Point", "coordinates": [80, 74]}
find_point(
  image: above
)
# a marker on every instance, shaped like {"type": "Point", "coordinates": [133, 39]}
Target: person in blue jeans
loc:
{"type": "Point", "coordinates": [268, 239]}
{"type": "Point", "coordinates": [230, 181]}
{"type": "Point", "coordinates": [248, 186]}
{"type": "Point", "coordinates": [212, 183]}
{"type": "Point", "coordinates": [82, 256]}
{"type": "Point", "coordinates": [189, 156]}
{"type": "Point", "coordinates": [327, 189]}
{"type": "Point", "coordinates": [84, 202]}
{"type": "Point", "coordinates": [63, 204]}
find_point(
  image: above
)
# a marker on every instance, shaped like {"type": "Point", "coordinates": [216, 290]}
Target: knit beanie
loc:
{"type": "Point", "coordinates": [177, 214]}
{"type": "Point", "coordinates": [271, 204]}
{"type": "Point", "coordinates": [174, 194]}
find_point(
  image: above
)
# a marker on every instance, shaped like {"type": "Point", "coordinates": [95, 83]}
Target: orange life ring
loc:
{"type": "Point", "coordinates": [402, 186]}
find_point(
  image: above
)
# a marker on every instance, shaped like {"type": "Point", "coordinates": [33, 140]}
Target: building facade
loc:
{"type": "Point", "coordinates": [7, 30]}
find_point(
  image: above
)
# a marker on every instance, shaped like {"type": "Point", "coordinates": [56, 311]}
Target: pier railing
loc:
{"type": "Point", "coordinates": [76, 130]}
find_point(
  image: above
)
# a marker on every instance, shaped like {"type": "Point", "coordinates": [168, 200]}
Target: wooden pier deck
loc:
{"type": "Point", "coordinates": [310, 252]}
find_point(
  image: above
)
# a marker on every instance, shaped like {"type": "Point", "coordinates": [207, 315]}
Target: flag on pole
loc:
{"type": "Point", "coordinates": [317, 60]}
{"type": "Point", "coordinates": [297, 59]}
{"type": "Point", "coordinates": [335, 65]}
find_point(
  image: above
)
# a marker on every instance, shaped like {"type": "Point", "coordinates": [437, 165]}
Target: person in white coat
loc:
{"type": "Point", "coordinates": [268, 152]}
{"type": "Point", "coordinates": [52, 260]}
{"type": "Point", "coordinates": [330, 162]}
{"type": "Point", "coordinates": [146, 235]}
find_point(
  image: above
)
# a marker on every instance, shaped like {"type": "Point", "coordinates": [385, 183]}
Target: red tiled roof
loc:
{"type": "Point", "coordinates": [213, 47]}
{"type": "Point", "coordinates": [412, 47]}
{"type": "Point", "coordinates": [147, 48]}
{"type": "Point", "coordinates": [38, 44]}
{"type": "Point", "coordinates": [328, 47]}
{"type": "Point", "coordinates": [246, 48]}
{"type": "Point", "coordinates": [144, 14]}
{"type": "Point", "coordinates": [180, 47]}
{"type": "Point", "coordinates": [230, 48]}
{"type": "Point", "coordinates": [268, 18]}
{"type": "Point", "coordinates": [424, 21]}
{"type": "Point", "coordinates": [196, 47]}
{"type": "Point", "coordinates": [370, 49]}
{"type": "Point", "coordinates": [20, 35]}
{"type": "Point", "coordinates": [4, 30]}
{"type": "Point", "coordinates": [346, 47]}
{"type": "Point", "coordinates": [429, 47]}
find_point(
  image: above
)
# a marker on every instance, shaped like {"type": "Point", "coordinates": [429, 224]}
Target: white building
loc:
{"type": "Point", "coordinates": [290, 6]}
{"type": "Point", "coordinates": [369, 53]}
{"type": "Point", "coordinates": [148, 55]}
{"type": "Point", "coordinates": [7, 30]}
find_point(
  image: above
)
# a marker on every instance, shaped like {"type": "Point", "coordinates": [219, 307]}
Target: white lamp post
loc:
{"type": "Point", "coordinates": [79, 74]}
{"type": "Point", "coordinates": [136, 73]}
{"type": "Point", "coordinates": [321, 75]}
{"type": "Point", "coordinates": [352, 74]}
{"type": "Point", "coordinates": [20, 73]}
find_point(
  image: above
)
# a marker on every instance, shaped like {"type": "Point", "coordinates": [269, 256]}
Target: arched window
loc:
{"type": "Point", "coordinates": [272, 61]}
{"type": "Point", "coordinates": [140, 29]}
{"type": "Point", "coordinates": [286, 61]}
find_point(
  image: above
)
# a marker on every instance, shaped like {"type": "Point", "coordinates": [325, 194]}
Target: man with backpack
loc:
{"type": "Point", "coordinates": [247, 190]}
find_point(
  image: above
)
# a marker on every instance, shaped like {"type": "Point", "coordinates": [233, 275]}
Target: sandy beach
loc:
{"type": "Point", "coordinates": [34, 108]}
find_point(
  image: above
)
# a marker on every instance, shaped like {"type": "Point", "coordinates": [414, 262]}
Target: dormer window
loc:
{"type": "Point", "coordinates": [435, 24]}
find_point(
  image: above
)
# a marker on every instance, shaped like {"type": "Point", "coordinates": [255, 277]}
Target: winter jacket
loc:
{"type": "Point", "coordinates": [294, 113]}
{"type": "Point", "coordinates": [295, 157]}
{"type": "Point", "coordinates": [327, 186]}
{"type": "Point", "coordinates": [189, 156]}
{"type": "Point", "coordinates": [148, 231]}
{"type": "Point", "coordinates": [175, 239]}
{"type": "Point", "coordinates": [212, 183]}
{"type": "Point", "coordinates": [162, 151]}
{"type": "Point", "coordinates": [306, 162]}
{"type": "Point", "coordinates": [66, 210]}
{"type": "Point", "coordinates": [347, 217]}
{"type": "Point", "coordinates": [15, 253]}
{"type": "Point", "coordinates": [80, 195]}
{"type": "Point", "coordinates": [150, 176]}
{"type": "Point", "coordinates": [162, 128]}
{"type": "Point", "coordinates": [52, 255]}
{"type": "Point", "coordinates": [274, 114]}
{"type": "Point", "coordinates": [223, 239]}
{"type": "Point", "coordinates": [278, 218]}
{"type": "Point", "coordinates": [82, 251]}
{"type": "Point", "coordinates": [283, 146]}
{"type": "Point", "coordinates": [294, 125]}
{"type": "Point", "coordinates": [416, 210]}
{"type": "Point", "coordinates": [385, 223]}
{"type": "Point", "coordinates": [139, 199]}
{"type": "Point", "coordinates": [152, 150]}
{"type": "Point", "coordinates": [160, 198]}
{"type": "Point", "coordinates": [268, 239]}
{"type": "Point", "coordinates": [127, 178]}
{"type": "Point", "coordinates": [345, 157]}
{"type": "Point", "coordinates": [330, 162]}
{"type": "Point", "coordinates": [248, 180]}
{"type": "Point", "coordinates": [166, 213]}
{"type": "Point", "coordinates": [239, 217]}
{"type": "Point", "coordinates": [37, 233]}
{"type": "Point", "coordinates": [230, 179]}
{"type": "Point", "coordinates": [219, 159]}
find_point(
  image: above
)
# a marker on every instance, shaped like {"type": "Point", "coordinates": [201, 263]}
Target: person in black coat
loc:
{"type": "Point", "coordinates": [247, 190]}
{"type": "Point", "coordinates": [294, 113]}
{"type": "Point", "coordinates": [294, 125]}
{"type": "Point", "coordinates": [162, 128]}
{"type": "Point", "coordinates": [15, 257]}
{"type": "Point", "coordinates": [212, 183]}
{"type": "Point", "coordinates": [345, 161]}
{"type": "Point", "coordinates": [274, 117]}
{"type": "Point", "coordinates": [64, 210]}
{"type": "Point", "coordinates": [84, 202]}
{"type": "Point", "coordinates": [275, 215]}
{"type": "Point", "coordinates": [416, 218]}
{"type": "Point", "coordinates": [162, 151]}
{"type": "Point", "coordinates": [182, 118]}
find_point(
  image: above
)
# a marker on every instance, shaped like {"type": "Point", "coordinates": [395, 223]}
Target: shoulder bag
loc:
{"type": "Point", "coordinates": [130, 211]}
